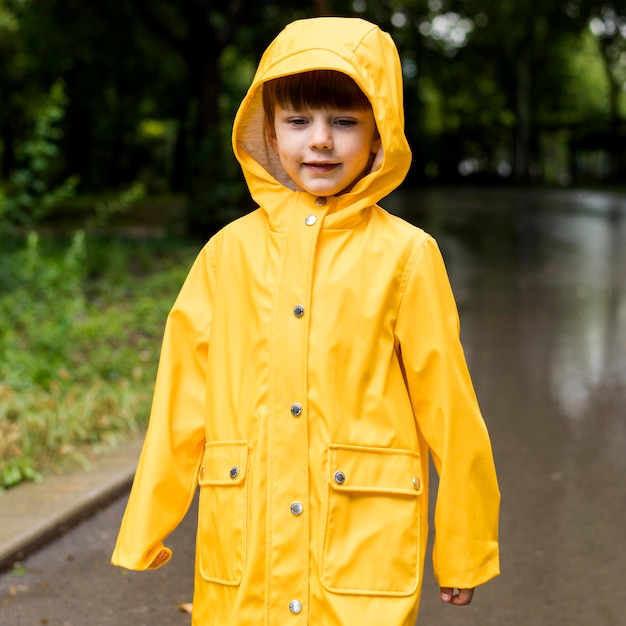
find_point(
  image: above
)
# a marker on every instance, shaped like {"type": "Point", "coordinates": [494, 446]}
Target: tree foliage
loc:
{"type": "Point", "coordinates": [151, 88]}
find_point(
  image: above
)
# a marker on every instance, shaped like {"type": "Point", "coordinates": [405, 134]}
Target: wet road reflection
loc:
{"type": "Point", "coordinates": [540, 279]}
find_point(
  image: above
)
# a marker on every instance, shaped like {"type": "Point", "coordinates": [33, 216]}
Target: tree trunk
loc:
{"type": "Point", "coordinates": [202, 57]}
{"type": "Point", "coordinates": [616, 138]}
{"type": "Point", "coordinates": [522, 105]}
{"type": "Point", "coordinates": [321, 8]}
{"type": "Point", "coordinates": [203, 63]}
{"type": "Point", "coordinates": [180, 157]}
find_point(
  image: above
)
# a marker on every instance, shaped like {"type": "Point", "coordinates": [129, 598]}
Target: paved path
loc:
{"type": "Point", "coordinates": [35, 513]}
{"type": "Point", "coordinates": [70, 581]}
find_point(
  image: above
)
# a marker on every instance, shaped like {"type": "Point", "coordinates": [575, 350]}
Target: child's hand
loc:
{"type": "Point", "coordinates": [159, 559]}
{"type": "Point", "coordinates": [462, 598]}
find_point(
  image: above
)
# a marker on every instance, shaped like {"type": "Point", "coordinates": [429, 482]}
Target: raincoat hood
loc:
{"type": "Point", "coordinates": [354, 47]}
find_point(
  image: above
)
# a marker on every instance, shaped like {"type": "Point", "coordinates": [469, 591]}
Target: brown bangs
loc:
{"type": "Point", "coordinates": [317, 89]}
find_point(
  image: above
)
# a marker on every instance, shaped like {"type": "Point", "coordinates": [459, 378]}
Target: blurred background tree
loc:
{"type": "Point", "coordinates": [496, 92]}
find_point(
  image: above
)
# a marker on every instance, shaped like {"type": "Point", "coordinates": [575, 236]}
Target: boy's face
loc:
{"type": "Point", "coordinates": [324, 151]}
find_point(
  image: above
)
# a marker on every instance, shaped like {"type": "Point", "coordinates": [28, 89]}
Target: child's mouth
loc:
{"type": "Point", "coordinates": [320, 168]}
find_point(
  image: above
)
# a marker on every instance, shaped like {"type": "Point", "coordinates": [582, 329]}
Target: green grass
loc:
{"type": "Point", "coordinates": [81, 322]}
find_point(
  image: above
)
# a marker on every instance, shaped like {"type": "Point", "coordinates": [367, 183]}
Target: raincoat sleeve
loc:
{"type": "Point", "coordinates": [465, 552]}
{"type": "Point", "coordinates": [166, 477]}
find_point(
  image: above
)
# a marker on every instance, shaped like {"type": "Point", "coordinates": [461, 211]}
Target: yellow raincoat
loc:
{"type": "Point", "coordinates": [309, 363]}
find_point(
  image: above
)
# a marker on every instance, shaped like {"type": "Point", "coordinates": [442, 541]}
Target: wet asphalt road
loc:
{"type": "Point", "coordinates": [540, 280]}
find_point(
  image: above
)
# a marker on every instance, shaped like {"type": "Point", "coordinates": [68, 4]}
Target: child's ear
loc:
{"type": "Point", "coordinates": [376, 143]}
{"type": "Point", "coordinates": [271, 135]}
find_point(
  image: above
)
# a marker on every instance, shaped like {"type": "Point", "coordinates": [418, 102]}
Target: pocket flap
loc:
{"type": "Point", "coordinates": [356, 468]}
{"type": "Point", "coordinates": [224, 463]}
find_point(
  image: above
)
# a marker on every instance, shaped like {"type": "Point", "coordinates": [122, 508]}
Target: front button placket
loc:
{"type": "Point", "coordinates": [288, 523]}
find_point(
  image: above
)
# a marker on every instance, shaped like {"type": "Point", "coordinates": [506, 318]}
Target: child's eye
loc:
{"type": "Point", "coordinates": [343, 122]}
{"type": "Point", "coordinates": [297, 121]}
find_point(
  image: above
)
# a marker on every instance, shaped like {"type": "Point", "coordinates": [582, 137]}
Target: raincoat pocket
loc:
{"type": "Point", "coordinates": [372, 533]}
{"type": "Point", "coordinates": [223, 511]}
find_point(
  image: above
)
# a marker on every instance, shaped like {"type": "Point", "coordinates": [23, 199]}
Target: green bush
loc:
{"type": "Point", "coordinates": [80, 329]}
{"type": "Point", "coordinates": [32, 193]}
{"type": "Point", "coordinates": [80, 318]}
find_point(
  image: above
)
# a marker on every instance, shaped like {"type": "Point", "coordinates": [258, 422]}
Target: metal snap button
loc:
{"type": "Point", "coordinates": [296, 409]}
{"type": "Point", "coordinates": [295, 607]}
{"type": "Point", "coordinates": [234, 472]}
{"type": "Point", "coordinates": [340, 478]}
{"type": "Point", "coordinates": [296, 508]}
{"type": "Point", "coordinates": [321, 201]}
{"type": "Point", "coordinates": [416, 483]}
{"type": "Point", "coordinates": [298, 310]}
{"type": "Point", "coordinates": [310, 220]}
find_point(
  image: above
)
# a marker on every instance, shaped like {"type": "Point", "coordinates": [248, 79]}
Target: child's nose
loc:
{"type": "Point", "coordinates": [321, 136]}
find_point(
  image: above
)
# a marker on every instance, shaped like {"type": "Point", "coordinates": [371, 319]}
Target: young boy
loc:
{"type": "Point", "coordinates": [310, 362]}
